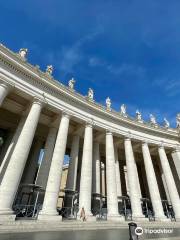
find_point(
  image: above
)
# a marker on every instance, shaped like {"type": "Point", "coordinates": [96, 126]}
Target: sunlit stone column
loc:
{"type": "Point", "coordinates": [13, 174]}
{"type": "Point", "coordinates": [86, 172]}
{"type": "Point", "coordinates": [170, 182]}
{"type": "Point", "coordinates": [132, 181]}
{"type": "Point", "coordinates": [43, 172]}
{"type": "Point", "coordinates": [49, 209]}
{"type": "Point", "coordinates": [176, 160]}
{"type": "Point", "coordinates": [112, 202]}
{"type": "Point", "coordinates": [73, 164]}
{"type": "Point", "coordinates": [96, 169]}
{"type": "Point", "coordinates": [118, 178]}
{"type": "Point", "coordinates": [152, 184]}
{"type": "Point", "coordinates": [3, 154]}
{"type": "Point", "coordinates": [5, 146]}
{"type": "Point", "coordinates": [4, 89]}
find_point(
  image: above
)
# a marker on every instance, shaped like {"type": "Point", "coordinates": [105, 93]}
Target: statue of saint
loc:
{"type": "Point", "coordinates": [139, 116]}
{"type": "Point", "coordinates": [123, 110]}
{"type": "Point", "coordinates": [108, 103]}
{"type": "Point", "coordinates": [71, 83]}
{"type": "Point", "coordinates": [90, 94]}
{"type": "Point", "coordinates": [178, 121]}
{"type": "Point", "coordinates": [23, 52]}
{"type": "Point", "coordinates": [49, 69]}
{"type": "Point", "coordinates": [166, 123]}
{"type": "Point", "coordinates": [153, 120]}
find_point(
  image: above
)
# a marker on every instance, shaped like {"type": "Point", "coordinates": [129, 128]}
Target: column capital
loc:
{"type": "Point", "coordinates": [39, 101]}
{"type": "Point", "coordinates": [66, 114]}
{"type": "Point", "coordinates": [161, 145]}
{"type": "Point", "coordinates": [177, 149]}
{"type": "Point", "coordinates": [89, 123]}
{"type": "Point", "coordinates": [145, 142]}
{"type": "Point", "coordinates": [128, 136]}
{"type": "Point", "coordinates": [109, 132]}
{"type": "Point", "coordinates": [7, 86]}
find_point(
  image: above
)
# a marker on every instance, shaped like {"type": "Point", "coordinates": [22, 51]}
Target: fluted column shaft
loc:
{"type": "Point", "coordinates": [112, 202]}
{"type": "Point", "coordinates": [152, 183]}
{"type": "Point", "coordinates": [13, 174]}
{"type": "Point", "coordinates": [86, 171]}
{"type": "Point", "coordinates": [73, 164]}
{"type": "Point", "coordinates": [118, 177]}
{"type": "Point", "coordinates": [54, 178]}
{"type": "Point", "coordinates": [43, 172]}
{"type": "Point", "coordinates": [96, 169]}
{"type": "Point", "coordinates": [170, 182]}
{"type": "Point", "coordinates": [132, 180]}
{"type": "Point", "coordinates": [4, 89]}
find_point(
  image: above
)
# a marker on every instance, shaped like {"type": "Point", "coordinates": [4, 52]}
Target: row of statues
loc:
{"type": "Point", "coordinates": [90, 96]}
{"type": "Point", "coordinates": [153, 122]}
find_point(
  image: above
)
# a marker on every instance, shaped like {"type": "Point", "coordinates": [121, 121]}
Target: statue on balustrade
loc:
{"type": "Point", "coordinates": [178, 121]}
{"type": "Point", "coordinates": [71, 83]}
{"type": "Point", "coordinates": [166, 123]}
{"type": "Point", "coordinates": [23, 52]}
{"type": "Point", "coordinates": [108, 103]}
{"type": "Point", "coordinates": [90, 94]}
{"type": "Point", "coordinates": [49, 70]}
{"type": "Point", "coordinates": [153, 120]}
{"type": "Point", "coordinates": [123, 110]}
{"type": "Point", "coordinates": [139, 116]}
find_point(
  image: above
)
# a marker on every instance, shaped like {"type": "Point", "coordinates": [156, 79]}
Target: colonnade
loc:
{"type": "Point", "coordinates": [50, 171]}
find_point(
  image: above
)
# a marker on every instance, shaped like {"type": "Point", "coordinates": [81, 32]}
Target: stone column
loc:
{"type": "Point", "coordinates": [32, 162]}
{"type": "Point", "coordinates": [13, 174]}
{"type": "Point", "coordinates": [86, 172]}
{"type": "Point", "coordinates": [103, 179]}
{"type": "Point", "coordinates": [43, 173]}
{"type": "Point", "coordinates": [112, 202]}
{"type": "Point", "coordinates": [118, 177]}
{"type": "Point", "coordinates": [126, 180]}
{"type": "Point", "coordinates": [6, 146]}
{"type": "Point", "coordinates": [10, 149]}
{"type": "Point", "coordinates": [170, 182]}
{"type": "Point", "coordinates": [96, 169]}
{"type": "Point", "coordinates": [4, 89]}
{"type": "Point", "coordinates": [152, 184]}
{"type": "Point", "coordinates": [73, 164]}
{"type": "Point", "coordinates": [132, 181]}
{"type": "Point", "coordinates": [176, 160]}
{"type": "Point", "coordinates": [49, 209]}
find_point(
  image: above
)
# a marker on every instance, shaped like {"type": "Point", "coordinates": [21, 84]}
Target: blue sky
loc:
{"type": "Point", "coordinates": [128, 50]}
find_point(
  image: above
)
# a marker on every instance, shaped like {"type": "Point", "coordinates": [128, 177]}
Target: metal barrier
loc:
{"type": "Point", "coordinates": [168, 210]}
{"type": "Point", "coordinates": [69, 213]}
{"type": "Point", "coordinates": [26, 211]}
{"type": "Point", "coordinates": [147, 209]}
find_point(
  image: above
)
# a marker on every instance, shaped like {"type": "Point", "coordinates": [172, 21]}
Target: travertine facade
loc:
{"type": "Point", "coordinates": [112, 156]}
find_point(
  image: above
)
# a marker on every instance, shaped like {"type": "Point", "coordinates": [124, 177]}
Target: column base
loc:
{"type": "Point", "coordinates": [162, 219]}
{"type": "Point", "coordinates": [49, 215]}
{"type": "Point", "coordinates": [117, 218]}
{"type": "Point", "coordinates": [7, 218]}
{"type": "Point", "coordinates": [140, 218]}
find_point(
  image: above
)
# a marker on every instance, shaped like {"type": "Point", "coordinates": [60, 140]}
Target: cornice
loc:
{"type": "Point", "coordinates": [48, 84]}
